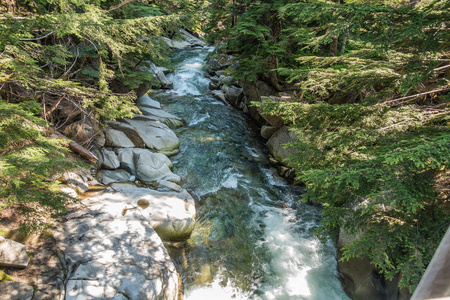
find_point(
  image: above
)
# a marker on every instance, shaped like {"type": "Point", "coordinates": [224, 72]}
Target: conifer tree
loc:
{"type": "Point", "coordinates": [371, 115]}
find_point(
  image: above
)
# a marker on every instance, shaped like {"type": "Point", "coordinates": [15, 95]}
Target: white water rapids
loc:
{"type": "Point", "coordinates": [246, 244]}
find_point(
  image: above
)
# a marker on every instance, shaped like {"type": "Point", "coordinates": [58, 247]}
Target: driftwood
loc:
{"type": "Point", "coordinates": [77, 148]}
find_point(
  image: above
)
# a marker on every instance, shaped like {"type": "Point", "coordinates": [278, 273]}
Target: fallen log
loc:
{"type": "Point", "coordinates": [77, 148]}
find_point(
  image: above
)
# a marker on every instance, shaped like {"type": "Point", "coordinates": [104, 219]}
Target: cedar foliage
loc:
{"type": "Point", "coordinates": [66, 64]}
{"type": "Point", "coordinates": [371, 114]}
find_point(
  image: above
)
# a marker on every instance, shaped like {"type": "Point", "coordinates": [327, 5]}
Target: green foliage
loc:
{"type": "Point", "coordinates": [371, 114]}
{"type": "Point", "coordinates": [27, 159]}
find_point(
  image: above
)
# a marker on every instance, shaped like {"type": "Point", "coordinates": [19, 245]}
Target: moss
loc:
{"type": "Point", "coordinates": [5, 277]}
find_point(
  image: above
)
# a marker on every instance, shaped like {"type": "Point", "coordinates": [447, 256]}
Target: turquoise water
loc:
{"type": "Point", "coordinates": [246, 244]}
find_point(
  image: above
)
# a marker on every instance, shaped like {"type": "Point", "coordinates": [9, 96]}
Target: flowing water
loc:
{"type": "Point", "coordinates": [247, 244]}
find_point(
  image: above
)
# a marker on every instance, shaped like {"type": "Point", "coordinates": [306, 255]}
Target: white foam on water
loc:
{"type": "Point", "coordinates": [231, 180]}
{"type": "Point", "coordinates": [199, 119]}
{"type": "Point", "coordinates": [252, 152]}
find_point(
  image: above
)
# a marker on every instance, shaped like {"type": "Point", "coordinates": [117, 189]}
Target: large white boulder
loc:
{"type": "Point", "coordinates": [116, 138]}
{"type": "Point", "coordinates": [151, 166]}
{"type": "Point", "coordinates": [129, 131]}
{"type": "Point", "coordinates": [159, 115]}
{"type": "Point", "coordinates": [156, 136]}
{"type": "Point", "coordinates": [115, 258]}
{"type": "Point", "coordinates": [146, 101]}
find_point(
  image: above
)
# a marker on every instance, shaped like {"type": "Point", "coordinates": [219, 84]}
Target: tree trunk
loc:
{"type": "Point", "coordinates": [334, 46]}
{"type": "Point", "coordinates": [273, 61]}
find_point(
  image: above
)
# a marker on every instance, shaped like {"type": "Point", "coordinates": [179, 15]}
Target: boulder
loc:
{"type": "Point", "coordinates": [129, 131]}
{"type": "Point", "coordinates": [219, 95]}
{"type": "Point", "coordinates": [126, 158]}
{"type": "Point", "coordinates": [226, 80]}
{"type": "Point", "coordinates": [268, 131]}
{"type": "Point", "coordinates": [171, 214]}
{"type": "Point", "coordinates": [11, 290]}
{"type": "Point", "coordinates": [361, 280]}
{"type": "Point", "coordinates": [215, 79]}
{"type": "Point", "coordinates": [115, 258]}
{"type": "Point", "coordinates": [159, 74]}
{"type": "Point", "coordinates": [159, 115]}
{"type": "Point", "coordinates": [117, 139]}
{"type": "Point", "coordinates": [146, 101]}
{"type": "Point", "coordinates": [13, 254]}
{"type": "Point", "coordinates": [100, 139]}
{"type": "Point", "coordinates": [276, 144]}
{"type": "Point", "coordinates": [234, 95]}
{"type": "Point", "coordinates": [212, 85]}
{"type": "Point", "coordinates": [186, 40]}
{"type": "Point", "coordinates": [75, 180]}
{"type": "Point", "coordinates": [153, 167]}
{"type": "Point", "coordinates": [156, 136]}
{"type": "Point", "coordinates": [108, 159]}
{"type": "Point", "coordinates": [109, 176]}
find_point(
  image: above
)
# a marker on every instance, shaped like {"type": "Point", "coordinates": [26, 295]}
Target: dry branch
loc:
{"type": "Point", "coordinates": [402, 99]}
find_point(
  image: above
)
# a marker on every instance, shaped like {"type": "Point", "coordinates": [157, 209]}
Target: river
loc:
{"type": "Point", "coordinates": [247, 244]}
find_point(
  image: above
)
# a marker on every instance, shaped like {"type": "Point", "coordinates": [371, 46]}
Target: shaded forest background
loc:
{"type": "Point", "coordinates": [371, 109]}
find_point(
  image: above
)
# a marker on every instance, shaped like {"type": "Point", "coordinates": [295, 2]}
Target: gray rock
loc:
{"type": "Point", "coordinates": [100, 139]}
{"type": "Point", "coordinates": [117, 139]}
{"type": "Point", "coordinates": [112, 256]}
{"type": "Point", "coordinates": [156, 136]}
{"type": "Point", "coordinates": [129, 131]}
{"type": "Point", "coordinates": [110, 176]}
{"type": "Point", "coordinates": [219, 95]}
{"type": "Point", "coordinates": [226, 80]}
{"type": "Point", "coordinates": [268, 131]}
{"type": "Point", "coordinates": [234, 95]}
{"type": "Point", "coordinates": [362, 280]}
{"type": "Point", "coordinates": [170, 185]}
{"type": "Point", "coordinates": [276, 145]}
{"type": "Point", "coordinates": [11, 290]}
{"type": "Point", "coordinates": [159, 115]}
{"type": "Point", "coordinates": [215, 79]}
{"type": "Point", "coordinates": [146, 101]}
{"type": "Point", "coordinates": [126, 158]}
{"type": "Point", "coordinates": [169, 213]}
{"type": "Point", "coordinates": [13, 254]}
{"type": "Point", "coordinates": [165, 83]}
{"type": "Point", "coordinates": [212, 85]}
{"type": "Point", "coordinates": [75, 180]}
{"type": "Point", "coordinates": [187, 40]}
{"type": "Point", "coordinates": [108, 160]}
{"type": "Point", "coordinates": [153, 167]}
